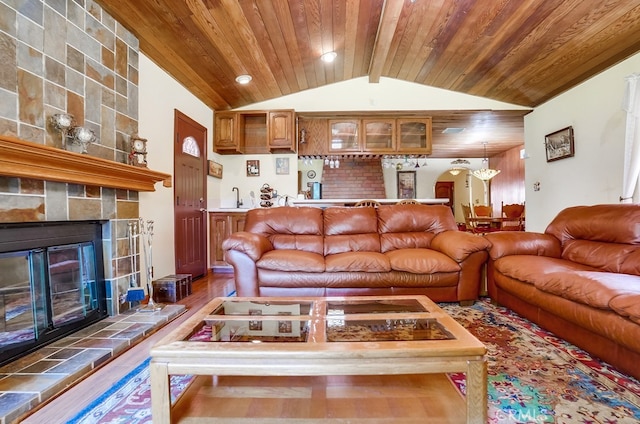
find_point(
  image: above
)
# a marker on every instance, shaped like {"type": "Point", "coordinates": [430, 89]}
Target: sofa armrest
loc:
{"type": "Point", "coordinates": [458, 245]}
{"type": "Point", "coordinates": [506, 243]}
{"type": "Point", "coordinates": [253, 245]}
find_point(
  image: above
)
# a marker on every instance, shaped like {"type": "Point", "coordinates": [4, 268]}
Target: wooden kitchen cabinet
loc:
{"type": "Point", "coordinates": [379, 135]}
{"type": "Point", "coordinates": [221, 226]}
{"type": "Point", "coordinates": [363, 133]}
{"type": "Point", "coordinates": [344, 136]}
{"type": "Point", "coordinates": [254, 132]}
{"type": "Point", "coordinates": [281, 133]}
{"type": "Point", "coordinates": [362, 136]}
{"type": "Point", "coordinates": [226, 138]}
{"type": "Point", "coordinates": [413, 136]}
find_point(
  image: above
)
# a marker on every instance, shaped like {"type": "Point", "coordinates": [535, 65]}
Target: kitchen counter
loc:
{"type": "Point", "coordinates": [229, 209]}
{"type": "Point", "coordinates": [351, 202]}
{"type": "Point", "coordinates": [323, 203]}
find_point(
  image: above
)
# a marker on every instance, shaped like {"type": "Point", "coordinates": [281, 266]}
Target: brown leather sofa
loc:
{"type": "Point", "coordinates": [341, 251]}
{"type": "Point", "coordinates": [580, 279]}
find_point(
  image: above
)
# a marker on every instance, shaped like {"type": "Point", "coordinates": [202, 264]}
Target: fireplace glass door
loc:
{"type": "Point", "coordinates": [72, 283]}
{"type": "Point", "coordinates": [45, 291]}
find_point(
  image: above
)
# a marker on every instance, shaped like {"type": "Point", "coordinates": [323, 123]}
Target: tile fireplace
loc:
{"type": "Point", "coordinates": [51, 282]}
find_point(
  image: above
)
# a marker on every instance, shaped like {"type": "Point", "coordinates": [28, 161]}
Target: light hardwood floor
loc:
{"type": "Point", "coordinates": [297, 400]}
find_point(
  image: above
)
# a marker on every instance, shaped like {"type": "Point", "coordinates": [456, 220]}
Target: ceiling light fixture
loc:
{"type": "Point", "coordinates": [243, 79]}
{"type": "Point", "coordinates": [459, 165]}
{"type": "Point", "coordinates": [329, 57]}
{"type": "Point", "coordinates": [485, 173]}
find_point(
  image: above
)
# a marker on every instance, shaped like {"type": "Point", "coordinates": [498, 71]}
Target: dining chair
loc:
{"type": "Point", "coordinates": [483, 210]}
{"type": "Point", "coordinates": [408, 202]}
{"type": "Point", "coordinates": [367, 203]}
{"type": "Point", "coordinates": [515, 213]}
{"type": "Point", "coordinates": [466, 212]}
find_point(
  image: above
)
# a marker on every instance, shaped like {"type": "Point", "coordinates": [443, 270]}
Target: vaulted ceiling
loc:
{"type": "Point", "coordinates": [522, 52]}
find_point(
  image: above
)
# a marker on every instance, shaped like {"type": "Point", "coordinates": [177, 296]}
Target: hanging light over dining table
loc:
{"type": "Point", "coordinates": [485, 173]}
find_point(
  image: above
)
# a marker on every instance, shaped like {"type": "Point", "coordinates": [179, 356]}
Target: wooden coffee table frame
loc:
{"type": "Point", "coordinates": [316, 357]}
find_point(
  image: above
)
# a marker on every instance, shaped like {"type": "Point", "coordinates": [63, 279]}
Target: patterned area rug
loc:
{"type": "Point", "coordinates": [534, 377]}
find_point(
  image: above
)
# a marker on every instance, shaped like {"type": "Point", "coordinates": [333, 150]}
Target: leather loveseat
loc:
{"type": "Point", "coordinates": [580, 279]}
{"type": "Point", "coordinates": [341, 251]}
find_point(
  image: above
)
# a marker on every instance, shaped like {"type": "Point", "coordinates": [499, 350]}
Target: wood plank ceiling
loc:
{"type": "Point", "coordinates": [523, 52]}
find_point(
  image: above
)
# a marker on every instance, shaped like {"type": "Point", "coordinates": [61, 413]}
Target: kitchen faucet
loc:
{"type": "Point", "coordinates": [238, 201]}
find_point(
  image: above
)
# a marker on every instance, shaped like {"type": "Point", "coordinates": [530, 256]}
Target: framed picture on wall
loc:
{"type": "Point", "coordinates": [406, 184]}
{"type": "Point", "coordinates": [282, 166]}
{"type": "Point", "coordinates": [559, 144]}
{"type": "Point", "coordinates": [215, 169]}
{"type": "Point", "coordinates": [253, 168]}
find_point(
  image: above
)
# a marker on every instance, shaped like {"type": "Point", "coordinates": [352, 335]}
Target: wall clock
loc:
{"type": "Point", "coordinates": [138, 154]}
{"type": "Point", "coordinates": [311, 174]}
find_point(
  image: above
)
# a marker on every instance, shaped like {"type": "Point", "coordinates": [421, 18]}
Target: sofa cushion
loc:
{"type": "Point", "coordinates": [615, 223]}
{"type": "Point", "coordinates": [595, 289]}
{"type": "Point", "coordinates": [308, 243]}
{"type": "Point", "coordinates": [299, 228]}
{"type": "Point", "coordinates": [605, 256]}
{"type": "Point", "coordinates": [412, 226]}
{"type": "Point", "coordinates": [631, 264]}
{"type": "Point", "coordinates": [411, 218]}
{"type": "Point", "coordinates": [394, 241]}
{"type": "Point", "coordinates": [291, 260]}
{"type": "Point", "coordinates": [342, 220]}
{"type": "Point", "coordinates": [352, 243]}
{"type": "Point", "coordinates": [357, 262]}
{"type": "Point", "coordinates": [350, 230]}
{"type": "Point", "coordinates": [421, 261]}
{"type": "Point", "coordinates": [627, 305]}
{"type": "Point", "coordinates": [529, 269]}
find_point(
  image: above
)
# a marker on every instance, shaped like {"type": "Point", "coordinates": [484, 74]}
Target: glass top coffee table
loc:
{"type": "Point", "coordinates": [363, 335]}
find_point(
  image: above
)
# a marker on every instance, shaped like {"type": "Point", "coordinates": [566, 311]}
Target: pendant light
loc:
{"type": "Point", "coordinates": [459, 165]}
{"type": "Point", "coordinates": [485, 173]}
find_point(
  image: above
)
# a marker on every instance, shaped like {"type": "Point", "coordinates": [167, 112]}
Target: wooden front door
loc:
{"type": "Point", "coordinates": [190, 196]}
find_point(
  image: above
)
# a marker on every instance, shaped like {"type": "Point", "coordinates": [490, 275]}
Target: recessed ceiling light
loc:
{"type": "Point", "coordinates": [243, 79]}
{"type": "Point", "coordinates": [452, 130]}
{"type": "Point", "coordinates": [329, 57]}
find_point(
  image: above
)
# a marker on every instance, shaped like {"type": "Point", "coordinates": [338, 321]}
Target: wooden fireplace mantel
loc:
{"type": "Point", "coordinates": [20, 158]}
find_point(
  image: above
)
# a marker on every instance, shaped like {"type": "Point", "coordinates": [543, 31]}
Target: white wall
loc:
{"type": "Point", "coordinates": [389, 94]}
{"type": "Point", "coordinates": [594, 174]}
{"type": "Point", "coordinates": [160, 95]}
{"type": "Point", "coordinates": [234, 174]}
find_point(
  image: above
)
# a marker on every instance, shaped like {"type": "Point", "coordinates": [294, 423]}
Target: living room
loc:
{"type": "Point", "coordinates": [593, 108]}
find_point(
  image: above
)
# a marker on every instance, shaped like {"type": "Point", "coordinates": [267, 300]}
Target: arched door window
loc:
{"type": "Point", "coordinates": [190, 147]}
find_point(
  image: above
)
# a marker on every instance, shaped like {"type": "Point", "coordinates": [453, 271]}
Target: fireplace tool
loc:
{"type": "Point", "coordinates": [146, 233]}
{"type": "Point", "coordinates": [135, 293]}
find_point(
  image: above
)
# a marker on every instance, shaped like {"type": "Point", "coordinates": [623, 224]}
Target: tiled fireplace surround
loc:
{"type": "Point", "coordinates": [116, 252]}
{"type": "Point", "coordinates": [71, 56]}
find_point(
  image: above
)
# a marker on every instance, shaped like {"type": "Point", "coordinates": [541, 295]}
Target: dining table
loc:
{"type": "Point", "coordinates": [494, 222]}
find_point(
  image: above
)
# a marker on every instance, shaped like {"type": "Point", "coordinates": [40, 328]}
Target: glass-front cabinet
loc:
{"type": "Point", "coordinates": [414, 135]}
{"type": "Point", "coordinates": [379, 135]}
{"type": "Point", "coordinates": [344, 136]}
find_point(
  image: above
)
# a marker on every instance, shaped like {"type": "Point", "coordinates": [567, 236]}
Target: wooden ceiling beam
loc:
{"type": "Point", "coordinates": [391, 10]}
